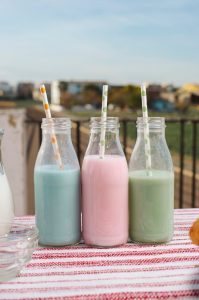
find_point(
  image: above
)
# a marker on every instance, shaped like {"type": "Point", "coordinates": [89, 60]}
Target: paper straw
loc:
{"type": "Point", "coordinates": [53, 136]}
{"type": "Point", "coordinates": [103, 120]}
{"type": "Point", "coordinates": [146, 128]}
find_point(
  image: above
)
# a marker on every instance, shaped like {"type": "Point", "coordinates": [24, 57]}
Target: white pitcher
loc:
{"type": "Point", "coordinates": [6, 200]}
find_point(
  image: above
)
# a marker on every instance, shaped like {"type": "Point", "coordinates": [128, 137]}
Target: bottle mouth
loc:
{"type": "Point", "coordinates": [153, 122]}
{"type": "Point", "coordinates": [109, 123]}
{"type": "Point", "coordinates": [56, 123]}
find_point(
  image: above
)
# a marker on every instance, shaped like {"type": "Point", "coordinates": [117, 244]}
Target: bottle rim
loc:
{"type": "Point", "coordinates": [110, 122]}
{"type": "Point", "coordinates": [56, 123]}
{"type": "Point", "coordinates": [153, 122]}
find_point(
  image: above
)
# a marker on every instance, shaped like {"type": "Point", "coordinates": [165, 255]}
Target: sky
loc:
{"type": "Point", "coordinates": [120, 41]}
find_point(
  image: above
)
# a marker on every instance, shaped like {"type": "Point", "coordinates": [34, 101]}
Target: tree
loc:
{"type": "Point", "coordinates": [126, 96]}
{"type": "Point", "coordinates": [92, 94]}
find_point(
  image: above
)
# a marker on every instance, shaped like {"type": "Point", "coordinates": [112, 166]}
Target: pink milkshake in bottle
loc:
{"type": "Point", "coordinates": [105, 187]}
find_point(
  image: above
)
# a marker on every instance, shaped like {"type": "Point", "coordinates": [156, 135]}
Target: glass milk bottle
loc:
{"type": "Point", "coordinates": [6, 201]}
{"type": "Point", "coordinates": [57, 191]}
{"type": "Point", "coordinates": [151, 193]}
{"type": "Point", "coordinates": [105, 188]}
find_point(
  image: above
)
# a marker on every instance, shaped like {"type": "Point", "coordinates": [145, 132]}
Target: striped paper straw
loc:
{"type": "Point", "coordinates": [53, 136]}
{"type": "Point", "coordinates": [103, 120]}
{"type": "Point", "coordinates": [146, 128]}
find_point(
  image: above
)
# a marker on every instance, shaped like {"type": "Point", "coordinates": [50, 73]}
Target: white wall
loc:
{"type": "Point", "coordinates": [14, 155]}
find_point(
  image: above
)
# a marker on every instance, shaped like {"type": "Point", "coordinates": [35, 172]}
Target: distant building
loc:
{"type": "Point", "coordinates": [75, 87]}
{"type": "Point", "coordinates": [168, 88]}
{"type": "Point", "coordinates": [61, 89]}
{"type": "Point", "coordinates": [186, 95]}
{"type": "Point", "coordinates": [25, 90]}
{"type": "Point", "coordinates": [193, 90]}
{"type": "Point", "coordinates": [182, 99]}
{"type": "Point", "coordinates": [160, 95]}
{"type": "Point", "coordinates": [162, 105]}
{"type": "Point", "coordinates": [169, 96]}
{"type": "Point", "coordinates": [168, 92]}
{"type": "Point", "coordinates": [6, 90]}
{"type": "Point", "coordinates": [154, 91]}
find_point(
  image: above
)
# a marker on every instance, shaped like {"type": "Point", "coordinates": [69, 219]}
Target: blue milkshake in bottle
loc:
{"type": "Point", "coordinates": [57, 190]}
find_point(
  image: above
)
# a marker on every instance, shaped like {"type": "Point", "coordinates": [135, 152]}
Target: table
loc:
{"type": "Point", "coordinates": [129, 272]}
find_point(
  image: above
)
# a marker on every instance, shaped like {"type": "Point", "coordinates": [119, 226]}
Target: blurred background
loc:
{"type": "Point", "coordinates": [74, 47]}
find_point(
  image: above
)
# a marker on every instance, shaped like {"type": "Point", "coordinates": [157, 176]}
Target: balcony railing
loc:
{"type": "Point", "coordinates": [186, 181]}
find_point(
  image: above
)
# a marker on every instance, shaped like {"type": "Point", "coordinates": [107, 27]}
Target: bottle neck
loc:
{"type": "Point", "coordinates": [104, 135]}
{"type": "Point", "coordinates": [57, 142]}
{"type": "Point", "coordinates": [158, 132]}
{"type": "Point", "coordinates": [57, 132]}
{"type": "Point", "coordinates": [110, 132]}
{"type": "Point", "coordinates": [154, 126]}
{"type": "Point", "coordinates": [151, 150]}
{"type": "Point", "coordinates": [109, 127]}
{"type": "Point", "coordinates": [56, 126]}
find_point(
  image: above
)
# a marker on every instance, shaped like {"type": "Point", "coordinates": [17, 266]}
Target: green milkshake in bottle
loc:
{"type": "Point", "coordinates": [151, 206]}
{"type": "Point", "coordinates": [151, 185]}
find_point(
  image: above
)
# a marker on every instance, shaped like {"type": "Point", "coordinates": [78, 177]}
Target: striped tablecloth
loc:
{"type": "Point", "coordinates": [128, 272]}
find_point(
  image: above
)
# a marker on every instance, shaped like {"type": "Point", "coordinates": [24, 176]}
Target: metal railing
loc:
{"type": "Point", "coordinates": [182, 123]}
{"type": "Point", "coordinates": [78, 124]}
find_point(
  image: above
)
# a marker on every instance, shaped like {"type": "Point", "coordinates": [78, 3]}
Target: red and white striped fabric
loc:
{"type": "Point", "coordinates": [128, 272]}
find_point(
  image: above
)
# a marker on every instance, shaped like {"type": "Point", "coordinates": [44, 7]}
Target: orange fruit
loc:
{"type": "Point", "coordinates": [194, 232]}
